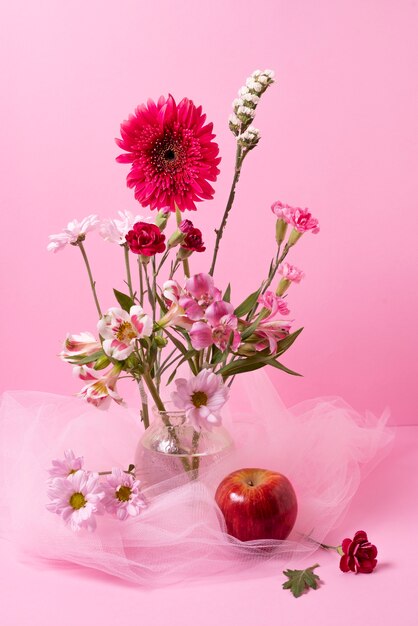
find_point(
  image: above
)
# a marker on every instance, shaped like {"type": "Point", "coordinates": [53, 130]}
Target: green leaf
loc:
{"type": "Point", "coordinates": [282, 367]}
{"type": "Point", "coordinates": [186, 357]}
{"type": "Point", "coordinates": [245, 365]}
{"type": "Point", "coordinates": [284, 344]}
{"type": "Point", "coordinates": [249, 331]}
{"type": "Point", "coordinates": [301, 580]}
{"type": "Point", "coordinates": [246, 306]}
{"type": "Point", "coordinates": [183, 349]}
{"type": "Point", "coordinates": [227, 294]}
{"type": "Point", "coordinates": [83, 360]}
{"type": "Point", "coordinates": [125, 301]}
{"type": "Point", "coordinates": [162, 303]}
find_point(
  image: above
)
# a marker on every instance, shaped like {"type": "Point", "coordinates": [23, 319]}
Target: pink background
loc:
{"type": "Point", "coordinates": [339, 136]}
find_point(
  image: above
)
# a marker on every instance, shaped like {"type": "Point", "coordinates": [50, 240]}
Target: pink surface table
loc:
{"type": "Point", "coordinates": [385, 506]}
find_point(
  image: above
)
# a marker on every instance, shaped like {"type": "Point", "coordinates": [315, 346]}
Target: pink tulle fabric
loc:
{"type": "Point", "coordinates": [323, 446]}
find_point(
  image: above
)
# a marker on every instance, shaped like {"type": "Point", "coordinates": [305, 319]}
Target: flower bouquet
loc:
{"type": "Point", "coordinates": [168, 315]}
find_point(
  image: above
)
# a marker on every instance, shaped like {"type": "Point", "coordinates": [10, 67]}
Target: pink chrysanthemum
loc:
{"type": "Point", "coordinates": [172, 152]}
{"type": "Point", "coordinates": [77, 499]}
{"type": "Point", "coordinates": [64, 467]}
{"type": "Point", "coordinates": [123, 497]}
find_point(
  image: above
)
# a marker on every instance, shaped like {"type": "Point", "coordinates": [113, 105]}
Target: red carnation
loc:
{"type": "Point", "coordinates": [172, 152]}
{"type": "Point", "coordinates": [358, 554]}
{"type": "Point", "coordinates": [193, 240]}
{"type": "Point", "coordinates": [146, 239]}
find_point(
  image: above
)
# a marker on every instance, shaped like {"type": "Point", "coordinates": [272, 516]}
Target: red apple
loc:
{"type": "Point", "coordinates": [257, 504]}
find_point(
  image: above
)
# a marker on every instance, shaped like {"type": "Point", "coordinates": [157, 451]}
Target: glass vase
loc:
{"type": "Point", "coordinates": [171, 447]}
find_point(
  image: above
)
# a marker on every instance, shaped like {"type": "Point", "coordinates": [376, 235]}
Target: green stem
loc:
{"type": "Point", "coordinates": [195, 459]}
{"type": "Point", "coordinates": [141, 282]}
{"type": "Point", "coordinates": [153, 391]}
{"type": "Point", "coordinates": [160, 406]}
{"type": "Point", "coordinates": [150, 293]}
{"type": "Point", "coordinates": [186, 266]}
{"type": "Point", "coordinates": [92, 282]}
{"type": "Point", "coordinates": [128, 271]}
{"type": "Point", "coordinates": [239, 158]}
{"type": "Point", "coordinates": [144, 404]}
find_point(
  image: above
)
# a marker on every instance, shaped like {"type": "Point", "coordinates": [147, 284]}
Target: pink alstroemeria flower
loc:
{"type": "Point", "coordinates": [222, 323]}
{"type": "Point", "coordinates": [199, 293]}
{"type": "Point", "coordinates": [270, 333]}
{"type": "Point", "coordinates": [201, 398]}
{"type": "Point", "coordinates": [83, 344]}
{"type": "Point", "coordinates": [121, 329]}
{"type": "Point", "coordinates": [291, 273]}
{"type": "Point", "coordinates": [100, 389]}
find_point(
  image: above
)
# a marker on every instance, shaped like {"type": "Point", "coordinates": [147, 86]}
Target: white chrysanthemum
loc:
{"type": "Point", "coordinates": [115, 230]}
{"type": "Point", "coordinates": [74, 232]}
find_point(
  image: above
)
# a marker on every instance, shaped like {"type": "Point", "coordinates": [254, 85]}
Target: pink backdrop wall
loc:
{"type": "Point", "coordinates": [339, 136]}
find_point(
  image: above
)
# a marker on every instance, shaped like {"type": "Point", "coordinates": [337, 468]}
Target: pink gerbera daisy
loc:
{"type": "Point", "coordinates": [172, 152]}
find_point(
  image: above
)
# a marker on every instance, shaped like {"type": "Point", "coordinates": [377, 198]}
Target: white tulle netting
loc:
{"type": "Point", "coordinates": [323, 446]}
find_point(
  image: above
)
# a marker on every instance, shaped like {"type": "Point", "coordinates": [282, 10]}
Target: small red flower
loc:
{"type": "Point", "coordinates": [359, 555]}
{"type": "Point", "coordinates": [193, 240]}
{"type": "Point", "coordinates": [146, 239]}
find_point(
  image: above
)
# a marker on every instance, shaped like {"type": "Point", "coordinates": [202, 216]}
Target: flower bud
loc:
{"type": "Point", "coordinates": [101, 363]}
{"type": "Point", "coordinates": [162, 219]}
{"type": "Point", "coordinates": [160, 341]}
{"type": "Point", "coordinates": [184, 253]}
{"type": "Point", "coordinates": [250, 138]}
{"type": "Point", "coordinates": [176, 238]}
{"type": "Point", "coordinates": [295, 235]}
{"type": "Point", "coordinates": [281, 228]}
{"type": "Point", "coordinates": [284, 284]}
{"type": "Point", "coordinates": [247, 349]}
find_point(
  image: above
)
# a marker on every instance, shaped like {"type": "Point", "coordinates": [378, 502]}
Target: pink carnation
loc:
{"type": "Point", "coordinates": [291, 273]}
{"type": "Point", "coordinates": [274, 304]}
{"type": "Point", "coordinates": [301, 219]}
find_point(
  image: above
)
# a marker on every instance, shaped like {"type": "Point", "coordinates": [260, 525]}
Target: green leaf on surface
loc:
{"type": "Point", "coordinates": [246, 306]}
{"type": "Point", "coordinates": [301, 580]}
{"type": "Point", "coordinates": [125, 301]}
